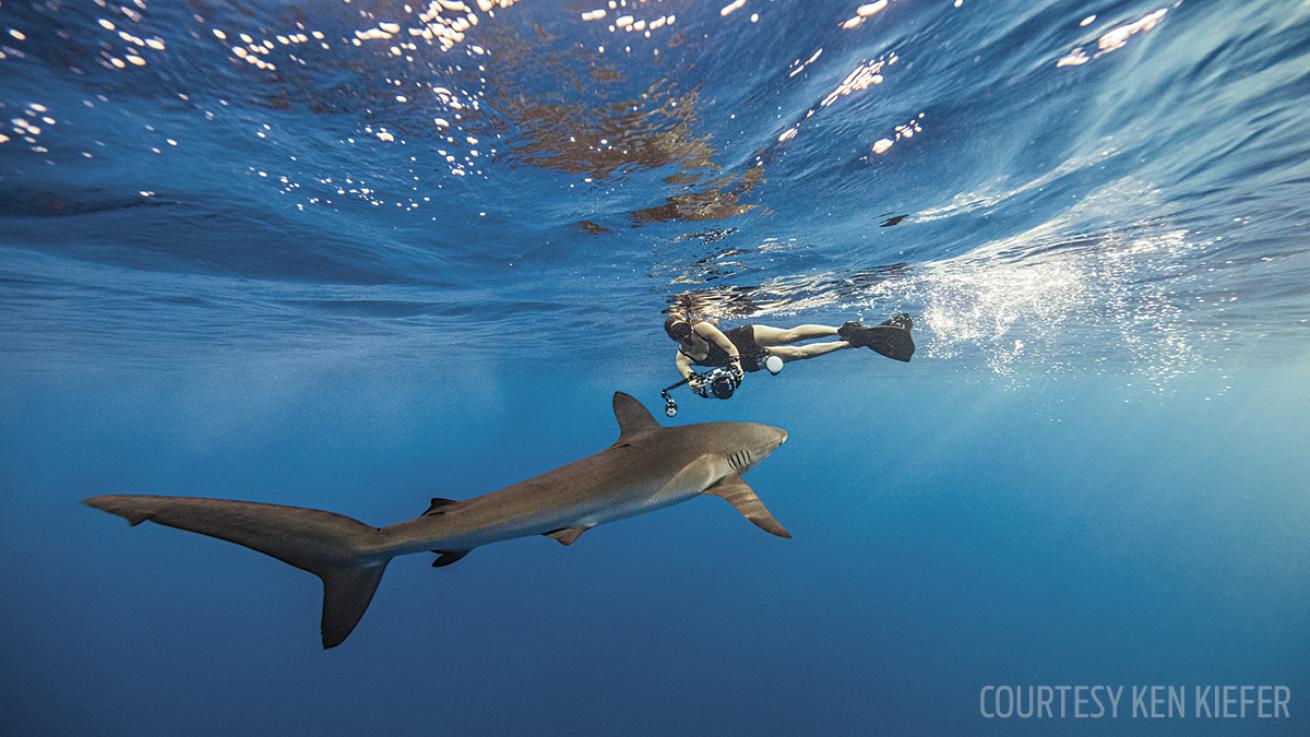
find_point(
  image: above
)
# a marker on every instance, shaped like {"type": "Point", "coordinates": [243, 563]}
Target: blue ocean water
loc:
{"type": "Point", "coordinates": [354, 255]}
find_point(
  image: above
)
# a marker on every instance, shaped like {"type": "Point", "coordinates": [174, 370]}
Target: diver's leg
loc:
{"type": "Point", "coordinates": [802, 352]}
{"type": "Point", "coordinates": [766, 335]}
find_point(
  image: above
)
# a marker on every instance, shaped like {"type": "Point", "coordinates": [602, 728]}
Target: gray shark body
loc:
{"type": "Point", "coordinates": [649, 467]}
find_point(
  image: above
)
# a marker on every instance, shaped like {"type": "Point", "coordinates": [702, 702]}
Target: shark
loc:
{"type": "Point", "coordinates": [649, 467]}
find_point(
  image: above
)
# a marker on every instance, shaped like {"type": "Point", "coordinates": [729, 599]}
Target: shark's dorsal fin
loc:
{"type": "Point", "coordinates": [438, 506]}
{"type": "Point", "coordinates": [742, 496]}
{"type": "Point", "coordinates": [567, 535]}
{"type": "Point", "coordinates": [633, 418]}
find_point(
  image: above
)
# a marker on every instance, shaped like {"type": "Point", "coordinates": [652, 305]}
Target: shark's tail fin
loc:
{"type": "Point", "coordinates": [330, 546]}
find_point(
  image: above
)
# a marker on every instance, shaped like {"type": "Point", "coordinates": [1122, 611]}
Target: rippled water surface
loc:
{"type": "Point", "coordinates": [1056, 183]}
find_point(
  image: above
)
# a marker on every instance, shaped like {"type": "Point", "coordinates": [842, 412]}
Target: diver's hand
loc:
{"type": "Point", "coordinates": [696, 382]}
{"type": "Point", "coordinates": [734, 367]}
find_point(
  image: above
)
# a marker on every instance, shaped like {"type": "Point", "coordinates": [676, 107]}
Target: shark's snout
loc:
{"type": "Point", "coordinates": [777, 436]}
{"type": "Point", "coordinates": [772, 437]}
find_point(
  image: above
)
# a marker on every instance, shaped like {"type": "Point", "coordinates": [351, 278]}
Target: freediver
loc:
{"type": "Point", "coordinates": [749, 347]}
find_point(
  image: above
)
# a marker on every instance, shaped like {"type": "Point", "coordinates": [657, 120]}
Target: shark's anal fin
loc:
{"type": "Point", "coordinates": [633, 418]}
{"type": "Point", "coordinates": [567, 535]}
{"type": "Point", "coordinates": [439, 505]}
{"type": "Point", "coordinates": [742, 496]}
{"type": "Point", "coordinates": [446, 557]}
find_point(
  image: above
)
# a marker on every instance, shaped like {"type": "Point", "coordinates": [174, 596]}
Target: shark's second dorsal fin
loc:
{"type": "Point", "coordinates": [742, 496]}
{"type": "Point", "coordinates": [633, 418]}
{"type": "Point", "coordinates": [438, 506]}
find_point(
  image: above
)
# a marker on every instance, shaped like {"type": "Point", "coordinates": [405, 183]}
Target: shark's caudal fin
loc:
{"type": "Point", "coordinates": [326, 544]}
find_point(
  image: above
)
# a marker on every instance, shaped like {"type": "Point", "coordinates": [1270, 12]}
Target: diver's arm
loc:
{"type": "Point", "coordinates": [683, 363]}
{"type": "Point", "coordinates": [716, 336]}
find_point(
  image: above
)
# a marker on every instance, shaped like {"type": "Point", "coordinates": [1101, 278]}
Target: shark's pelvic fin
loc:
{"type": "Point", "coordinates": [742, 496]}
{"type": "Point", "coordinates": [567, 535]}
{"type": "Point", "coordinates": [446, 557]}
{"type": "Point", "coordinates": [439, 505]}
{"type": "Point", "coordinates": [633, 418]}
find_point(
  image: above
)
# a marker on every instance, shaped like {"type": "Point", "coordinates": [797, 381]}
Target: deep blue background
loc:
{"type": "Point", "coordinates": [948, 534]}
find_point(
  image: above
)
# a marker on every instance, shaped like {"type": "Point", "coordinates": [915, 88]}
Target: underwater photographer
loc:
{"type": "Point", "coordinates": [749, 348]}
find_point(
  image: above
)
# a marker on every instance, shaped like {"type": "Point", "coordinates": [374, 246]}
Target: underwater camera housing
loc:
{"type": "Point", "coordinates": [720, 384]}
{"type": "Point", "coordinates": [717, 384]}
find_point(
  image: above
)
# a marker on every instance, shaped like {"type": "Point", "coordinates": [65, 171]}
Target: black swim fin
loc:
{"type": "Point", "coordinates": [901, 321]}
{"type": "Point", "coordinates": [891, 338]}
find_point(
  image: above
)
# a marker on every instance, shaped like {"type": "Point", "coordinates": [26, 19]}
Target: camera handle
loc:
{"type": "Point", "coordinates": [671, 404]}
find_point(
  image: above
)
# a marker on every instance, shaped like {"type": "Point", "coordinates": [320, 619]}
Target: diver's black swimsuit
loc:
{"type": "Point", "coordinates": [742, 336]}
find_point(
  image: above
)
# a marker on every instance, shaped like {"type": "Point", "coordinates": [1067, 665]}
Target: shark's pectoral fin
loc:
{"type": "Point", "coordinates": [446, 557]}
{"type": "Point", "coordinates": [742, 496]}
{"type": "Point", "coordinates": [567, 535]}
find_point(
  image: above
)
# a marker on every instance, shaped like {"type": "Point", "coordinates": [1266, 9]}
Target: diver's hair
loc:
{"type": "Point", "coordinates": [672, 320]}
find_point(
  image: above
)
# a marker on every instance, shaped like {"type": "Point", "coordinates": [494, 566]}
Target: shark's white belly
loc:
{"type": "Point", "coordinates": [686, 484]}
{"type": "Point", "coordinates": [612, 512]}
